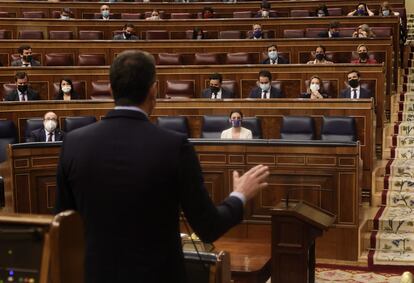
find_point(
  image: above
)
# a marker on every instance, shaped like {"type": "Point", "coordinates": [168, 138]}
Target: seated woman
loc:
{"type": "Point", "coordinates": [364, 58]}
{"type": "Point", "coordinates": [361, 10]}
{"type": "Point", "coordinates": [315, 90]}
{"type": "Point", "coordinates": [322, 11]}
{"type": "Point", "coordinates": [198, 33]}
{"type": "Point", "coordinates": [363, 31]}
{"type": "Point", "coordinates": [320, 56]}
{"type": "Point", "coordinates": [66, 90]}
{"type": "Point", "coordinates": [155, 15]}
{"type": "Point", "coordinates": [236, 131]}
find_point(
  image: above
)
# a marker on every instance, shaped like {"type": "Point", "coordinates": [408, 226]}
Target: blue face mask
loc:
{"type": "Point", "coordinates": [105, 13]}
{"type": "Point", "coordinates": [257, 34]}
{"type": "Point", "coordinates": [361, 12]}
{"type": "Point", "coordinates": [236, 123]}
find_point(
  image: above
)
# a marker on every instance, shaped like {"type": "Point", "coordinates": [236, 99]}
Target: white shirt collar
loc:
{"type": "Point", "coordinates": [132, 108]}
{"type": "Point", "coordinates": [218, 96]}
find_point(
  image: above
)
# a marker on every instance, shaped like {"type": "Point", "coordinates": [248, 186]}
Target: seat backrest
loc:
{"type": "Point", "coordinates": [4, 14]}
{"type": "Point", "coordinates": [242, 14]}
{"type": "Point", "coordinates": [5, 34]}
{"type": "Point", "coordinates": [91, 35]}
{"type": "Point", "coordinates": [174, 123]}
{"type": "Point", "coordinates": [31, 125]}
{"type": "Point", "coordinates": [231, 86]}
{"type": "Point", "coordinates": [238, 58]}
{"type": "Point", "coordinates": [91, 60]}
{"type": "Point", "coordinates": [297, 128]}
{"type": "Point", "coordinates": [181, 16]}
{"type": "Point", "coordinates": [58, 59]}
{"type": "Point", "coordinates": [8, 135]}
{"type": "Point", "coordinates": [299, 13]}
{"type": "Point", "coordinates": [169, 59]}
{"type": "Point", "coordinates": [157, 34]}
{"type": "Point", "coordinates": [33, 14]}
{"type": "Point", "coordinates": [6, 89]}
{"type": "Point", "coordinates": [346, 32]}
{"type": "Point", "coordinates": [30, 34]}
{"type": "Point", "coordinates": [293, 33]}
{"type": "Point", "coordinates": [78, 86]}
{"type": "Point", "coordinates": [230, 34]}
{"type": "Point", "coordinates": [179, 89]}
{"type": "Point", "coordinates": [382, 31]}
{"type": "Point", "coordinates": [72, 123]}
{"type": "Point", "coordinates": [212, 267]}
{"type": "Point", "coordinates": [335, 11]}
{"type": "Point", "coordinates": [61, 34]}
{"type": "Point", "coordinates": [101, 90]}
{"type": "Point", "coordinates": [206, 59]}
{"type": "Point", "coordinates": [131, 16]}
{"type": "Point", "coordinates": [314, 32]}
{"type": "Point", "coordinates": [254, 125]}
{"type": "Point", "coordinates": [213, 126]}
{"type": "Point", "coordinates": [338, 128]}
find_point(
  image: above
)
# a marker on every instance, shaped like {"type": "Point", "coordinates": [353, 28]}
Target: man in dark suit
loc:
{"type": "Point", "coordinates": [26, 58]}
{"type": "Point", "coordinates": [22, 92]}
{"type": "Point", "coordinates": [105, 13]}
{"type": "Point", "coordinates": [273, 57]}
{"type": "Point", "coordinates": [129, 179]}
{"type": "Point", "coordinates": [49, 132]}
{"type": "Point", "coordinates": [264, 89]}
{"type": "Point", "coordinates": [354, 90]}
{"type": "Point", "coordinates": [215, 91]}
{"type": "Point", "coordinates": [128, 33]}
{"type": "Point", "coordinates": [332, 32]}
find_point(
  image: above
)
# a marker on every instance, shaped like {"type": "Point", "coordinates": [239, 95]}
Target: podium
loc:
{"type": "Point", "coordinates": [294, 229]}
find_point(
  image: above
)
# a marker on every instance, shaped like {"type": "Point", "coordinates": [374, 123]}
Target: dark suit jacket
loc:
{"type": "Point", "coordinates": [39, 135]}
{"type": "Point", "coordinates": [18, 63]}
{"type": "Point", "coordinates": [224, 93]}
{"type": "Point", "coordinates": [364, 93]}
{"type": "Point", "coordinates": [257, 93]}
{"type": "Point", "coordinates": [31, 95]}
{"type": "Point", "coordinates": [121, 37]}
{"type": "Point", "coordinates": [280, 60]}
{"type": "Point", "coordinates": [308, 95]}
{"type": "Point", "coordinates": [129, 191]}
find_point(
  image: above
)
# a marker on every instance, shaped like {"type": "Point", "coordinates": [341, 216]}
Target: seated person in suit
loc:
{"type": "Point", "coordinates": [264, 11]}
{"type": "Point", "coordinates": [26, 58]}
{"type": "Point", "coordinates": [361, 10]}
{"type": "Point", "coordinates": [207, 13]}
{"type": "Point", "coordinates": [22, 92]}
{"type": "Point", "coordinates": [332, 32]}
{"type": "Point", "coordinates": [264, 88]}
{"type": "Point", "coordinates": [364, 58]}
{"type": "Point", "coordinates": [198, 33]}
{"type": "Point", "coordinates": [315, 90]}
{"type": "Point", "coordinates": [320, 56]}
{"type": "Point", "coordinates": [154, 16]}
{"type": "Point", "coordinates": [236, 131]}
{"type": "Point", "coordinates": [322, 11]}
{"type": "Point", "coordinates": [215, 91]}
{"type": "Point", "coordinates": [256, 32]}
{"type": "Point", "coordinates": [105, 12]}
{"type": "Point", "coordinates": [272, 56]}
{"type": "Point", "coordinates": [66, 14]}
{"type": "Point", "coordinates": [66, 90]}
{"type": "Point", "coordinates": [49, 132]}
{"type": "Point", "coordinates": [128, 33]}
{"type": "Point", "coordinates": [354, 90]}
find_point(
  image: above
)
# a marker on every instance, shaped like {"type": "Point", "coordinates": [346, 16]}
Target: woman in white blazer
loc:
{"type": "Point", "coordinates": [236, 131]}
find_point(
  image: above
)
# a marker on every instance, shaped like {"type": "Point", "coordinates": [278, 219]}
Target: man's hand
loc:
{"type": "Point", "coordinates": [251, 182]}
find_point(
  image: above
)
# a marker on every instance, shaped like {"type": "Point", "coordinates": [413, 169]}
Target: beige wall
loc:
{"type": "Point", "coordinates": [409, 5]}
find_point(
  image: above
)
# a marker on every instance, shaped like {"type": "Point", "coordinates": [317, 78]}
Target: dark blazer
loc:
{"type": "Point", "coordinates": [129, 191]}
{"type": "Point", "coordinates": [14, 96]}
{"type": "Point", "coordinates": [280, 60]}
{"type": "Point", "coordinates": [308, 95]}
{"type": "Point", "coordinates": [18, 63]}
{"type": "Point", "coordinates": [364, 93]}
{"type": "Point", "coordinates": [257, 93]}
{"type": "Point", "coordinates": [39, 135]}
{"type": "Point", "coordinates": [224, 93]}
{"type": "Point", "coordinates": [121, 37]}
{"type": "Point", "coordinates": [73, 95]}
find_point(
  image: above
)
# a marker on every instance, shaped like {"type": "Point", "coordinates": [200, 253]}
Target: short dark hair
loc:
{"type": "Point", "coordinates": [271, 45]}
{"type": "Point", "coordinates": [129, 25]}
{"type": "Point", "coordinates": [354, 71]}
{"type": "Point", "coordinates": [20, 75]}
{"type": "Point", "coordinates": [265, 73]}
{"type": "Point", "coordinates": [265, 5]}
{"type": "Point", "coordinates": [322, 47]}
{"type": "Point", "coordinates": [236, 111]}
{"type": "Point", "coordinates": [216, 76]}
{"type": "Point", "coordinates": [23, 47]}
{"type": "Point", "coordinates": [132, 74]}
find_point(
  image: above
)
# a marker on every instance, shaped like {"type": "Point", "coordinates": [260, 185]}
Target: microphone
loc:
{"type": "Point", "coordinates": [300, 189]}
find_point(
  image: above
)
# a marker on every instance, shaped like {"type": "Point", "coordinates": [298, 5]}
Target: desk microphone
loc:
{"type": "Point", "coordinates": [298, 189]}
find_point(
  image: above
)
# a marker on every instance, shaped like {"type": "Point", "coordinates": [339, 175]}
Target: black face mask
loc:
{"type": "Point", "coordinates": [363, 56]}
{"type": "Point", "coordinates": [22, 88]}
{"type": "Point", "coordinates": [214, 89]}
{"type": "Point", "coordinates": [27, 58]}
{"type": "Point", "coordinates": [320, 56]}
{"type": "Point", "coordinates": [127, 35]}
{"type": "Point", "coordinates": [353, 83]}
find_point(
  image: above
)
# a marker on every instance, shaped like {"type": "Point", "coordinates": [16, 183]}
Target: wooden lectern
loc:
{"type": "Point", "coordinates": [294, 229]}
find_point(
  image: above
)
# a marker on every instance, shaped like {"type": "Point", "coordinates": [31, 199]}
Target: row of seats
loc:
{"type": "Point", "coordinates": [164, 34]}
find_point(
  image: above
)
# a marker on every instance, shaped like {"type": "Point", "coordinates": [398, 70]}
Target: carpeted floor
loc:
{"type": "Point", "coordinates": [325, 275]}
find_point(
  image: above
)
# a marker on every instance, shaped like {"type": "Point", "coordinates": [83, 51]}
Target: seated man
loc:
{"type": "Point", "coordinates": [66, 14]}
{"type": "Point", "coordinates": [364, 58]}
{"type": "Point", "coordinates": [273, 57]}
{"type": "Point", "coordinates": [264, 89]}
{"type": "Point", "coordinates": [127, 34]}
{"type": "Point", "coordinates": [105, 12]}
{"type": "Point", "coordinates": [23, 91]}
{"type": "Point", "coordinates": [215, 91]}
{"type": "Point", "coordinates": [354, 90]}
{"type": "Point", "coordinates": [257, 32]}
{"type": "Point", "coordinates": [26, 58]}
{"type": "Point", "coordinates": [264, 11]}
{"type": "Point", "coordinates": [49, 132]}
{"type": "Point", "coordinates": [332, 32]}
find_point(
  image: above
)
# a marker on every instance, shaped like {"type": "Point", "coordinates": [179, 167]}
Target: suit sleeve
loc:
{"type": "Point", "coordinates": [208, 221]}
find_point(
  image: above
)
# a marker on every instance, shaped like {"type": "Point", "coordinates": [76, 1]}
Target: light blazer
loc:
{"type": "Point", "coordinates": [244, 134]}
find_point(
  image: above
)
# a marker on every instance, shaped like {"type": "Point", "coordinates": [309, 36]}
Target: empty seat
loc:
{"type": "Point", "coordinates": [5, 34]}
{"type": "Point", "coordinates": [212, 126]}
{"type": "Point", "coordinates": [30, 34]}
{"type": "Point", "coordinates": [231, 86]}
{"type": "Point", "coordinates": [299, 13]}
{"type": "Point", "coordinates": [254, 125]}
{"type": "Point", "coordinates": [181, 16]}
{"type": "Point", "coordinates": [230, 34]}
{"type": "Point", "coordinates": [61, 34]}
{"type": "Point", "coordinates": [170, 59]}
{"type": "Point", "coordinates": [58, 59]}
{"type": "Point", "coordinates": [73, 123]}
{"type": "Point", "coordinates": [4, 14]}
{"type": "Point", "coordinates": [78, 86]}
{"type": "Point", "coordinates": [382, 31]}
{"type": "Point", "coordinates": [6, 89]}
{"type": "Point", "coordinates": [293, 33]}
{"type": "Point", "coordinates": [179, 89]}
{"type": "Point", "coordinates": [174, 123]}
{"type": "Point", "coordinates": [33, 14]}
{"type": "Point", "coordinates": [91, 35]}
{"type": "Point", "coordinates": [31, 125]}
{"type": "Point", "coordinates": [346, 32]}
{"type": "Point", "coordinates": [91, 60]}
{"type": "Point", "coordinates": [156, 34]}
{"type": "Point", "coordinates": [338, 129]}
{"type": "Point", "coordinates": [238, 58]}
{"type": "Point", "coordinates": [131, 16]}
{"type": "Point", "coordinates": [206, 59]}
{"type": "Point", "coordinates": [8, 135]}
{"type": "Point", "coordinates": [314, 32]}
{"type": "Point", "coordinates": [297, 128]}
{"type": "Point", "coordinates": [101, 90]}
{"type": "Point", "coordinates": [242, 14]}
{"type": "Point", "coordinates": [335, 12]}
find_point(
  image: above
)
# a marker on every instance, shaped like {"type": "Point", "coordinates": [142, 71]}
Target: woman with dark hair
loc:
{"type": "Point", "coordinates": [236, 131]}
{"type": "Point", "coordinates": [315, 89]}
{"type": "Point", "coordinates": [198, 33]}
{"type": "Point", "coordinates": [361, 10]}
{"type": "Point", "coordinates": [66, 90]}
{"type": "Point", "coordinates": [322, 11]}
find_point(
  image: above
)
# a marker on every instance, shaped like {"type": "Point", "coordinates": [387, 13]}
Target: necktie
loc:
{"type": "Point", "coordinates": [264, 94]}
{"type": "Point", "coordinates": [354, 95]}
{"type": "Point", "coordinates": [49, 139]}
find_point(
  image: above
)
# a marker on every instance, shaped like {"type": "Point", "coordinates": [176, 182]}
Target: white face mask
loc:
{"type": "Point", "coordinates": [265, 14]}
{"type": "Point", "coordinates": [314, 87]}
{"type": "Point", "coordinates": [66, 88]}
{"type": "Point", "coordinates": [199, 36]}
{"type": "Point", "coordinates": [265, 87]}
{"type": "Point", "coordinates": [50, 125]}
{"type": "Point", "coordinates": [64, 17]}
{"type": "Point", "coordinates": [272, 55]}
